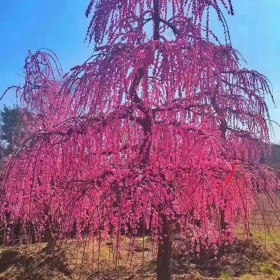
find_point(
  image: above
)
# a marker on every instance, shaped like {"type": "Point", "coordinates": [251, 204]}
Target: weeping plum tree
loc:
{"type": "Point", "coordinates": [161, 127]}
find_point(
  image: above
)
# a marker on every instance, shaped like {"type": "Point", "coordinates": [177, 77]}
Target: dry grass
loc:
{"type": "Point", "coordinates": [80, 260]}
{"type": "Point", "coordinates": [136, 260]}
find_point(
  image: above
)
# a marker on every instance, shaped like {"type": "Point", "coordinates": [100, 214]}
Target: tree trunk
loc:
{"type": "Point", "coordinates": [164, 252]}
{"type": "Point", "coordinates": [51, 241]}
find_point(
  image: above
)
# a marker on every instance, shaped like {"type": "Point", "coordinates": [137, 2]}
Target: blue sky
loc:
{"type": "Point", "coordinates": [60, 25]}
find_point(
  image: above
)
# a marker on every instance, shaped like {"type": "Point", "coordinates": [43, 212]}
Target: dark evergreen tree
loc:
{"type": "Point", "coordinates": [11, 130]}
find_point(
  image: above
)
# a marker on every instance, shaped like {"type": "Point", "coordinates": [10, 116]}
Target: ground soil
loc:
{"type": "Point", "coordinates": [246, 259]}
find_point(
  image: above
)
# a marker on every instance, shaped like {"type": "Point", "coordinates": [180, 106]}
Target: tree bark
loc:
{"type": "Point", "coordinates": [156, 19]}
{"type": "Point", "coordinates": [51, 241]}
{"type": "Point", "coordinates": [164, 252]}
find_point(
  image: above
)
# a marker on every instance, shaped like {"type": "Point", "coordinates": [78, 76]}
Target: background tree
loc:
{"type": "Point", "coordinates": [155, 131]}
{"type": "Point", "coordinates": [10, 130]}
